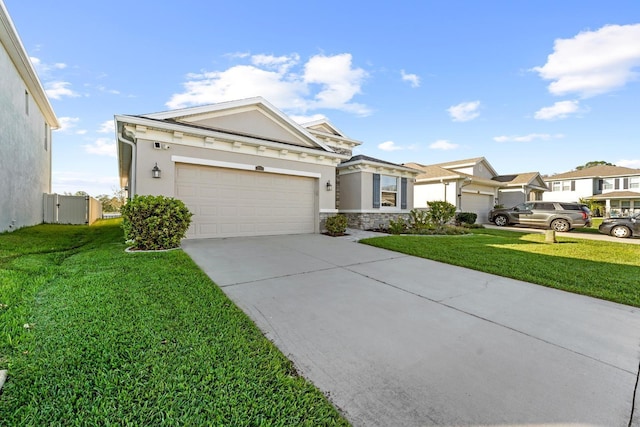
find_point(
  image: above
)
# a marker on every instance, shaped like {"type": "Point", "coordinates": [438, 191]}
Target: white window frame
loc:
{"type": "Point", "coordinates": [396, 192]}
{"type": "Point", "coordinates": [634, 182]}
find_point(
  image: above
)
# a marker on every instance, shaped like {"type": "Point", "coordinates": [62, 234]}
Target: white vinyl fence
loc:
{"type": "Point", "coordinates": [59, 209]}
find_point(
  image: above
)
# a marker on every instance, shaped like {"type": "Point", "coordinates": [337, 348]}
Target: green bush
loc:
{"type": "Point", "coordinates": [155, 222]}
{"type": "Point", "coordinates": [466, 218]}
{"type": "Point", "coordinates": [336, 225]}
{"type": "Point", "coordinates": [418, 220]}
{"type": "Point", "coordinates": [440, 213]}
{"type": "Point", "coordinates": [397, 227]}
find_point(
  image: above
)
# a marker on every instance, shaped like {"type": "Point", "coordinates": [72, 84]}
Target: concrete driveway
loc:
{"type": "Point", "coordinates": [396, 340]}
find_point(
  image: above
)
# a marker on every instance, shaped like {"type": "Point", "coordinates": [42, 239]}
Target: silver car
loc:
{"type": "Point", "coordinates": [558, 216]}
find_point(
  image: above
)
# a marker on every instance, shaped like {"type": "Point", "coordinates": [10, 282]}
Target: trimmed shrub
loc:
{"type": "Point", "coordinates": [466, 218]}
{"type": "Point", "coordinates": [418, 220]}
{"type": "Point", "coordinates": [440, 213]}
{"type": "Point", "coordinates": [336, 225]}
{"type": "Point", "coordinates": [397, 227]}
{"type": "Point", "coordinates": [155, 222]}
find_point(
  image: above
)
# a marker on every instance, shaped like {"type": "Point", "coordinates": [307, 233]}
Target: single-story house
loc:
{"type": "Point", "coordinates": [473, 185]}
{"type": "Point", "coordinates": [27, 120]}
{"type": "Point", "coordinates": [244, 168]}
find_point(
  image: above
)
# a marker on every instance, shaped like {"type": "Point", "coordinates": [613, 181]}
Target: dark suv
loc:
{"type": "Point", "coordinates": [558, 216]}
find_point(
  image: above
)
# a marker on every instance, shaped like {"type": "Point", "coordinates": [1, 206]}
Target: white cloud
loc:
{"type": "Point", "coordinates": [321, 82]}
{"type": "Point", "coordinates": [559, 110]}
{"type": "Point", "coordinates": [528, 138]}
{"type": "Point", "coordinates": [389, 146]}
{"type": "Point", "coordinates": [593, 62]}
{"type": "Point", "coordinates": [67, 123]}
{"type": "Point", "coordinates": [44, 68]}
{"type": "Point", "coordinates": [635, 164]}
{"type": "Point", "coordinates": [464, 111]}
{"type": "Point", "coordinates": [107, 127]}
{"type": "Point", "coordinates": [443, 144]}
{"type": "Point", "coordinates": [102, 147]}
{"type": "Point", "coordinates": [411, 78]}
{"type": "Point", "coordinates": [57, 90]}
{"type": "Point", "coordinates": [340, 82]}
{"type": "Point", "coordinates": [282, 63]}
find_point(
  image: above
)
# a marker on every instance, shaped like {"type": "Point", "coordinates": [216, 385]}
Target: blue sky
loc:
{"type": "Point", "coordinates": [530, 85]}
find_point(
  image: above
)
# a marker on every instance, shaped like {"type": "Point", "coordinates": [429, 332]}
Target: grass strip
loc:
{"type": "Point", "coordinates": [604, 270]}
{"type": "Point", "coordinates": [96, 336]}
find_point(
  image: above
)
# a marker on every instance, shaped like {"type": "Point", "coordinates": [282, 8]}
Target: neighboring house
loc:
{"type": "Point", "coordinates": [27, 118]}
{"type": "Point", "coordinates": [372, 192]}
{"type": "Point", "coordinates": [242, 167]}
{"type": "Point", "coordinates": [618, 188]}
{"type": "Point", "coordinates": [473, 185]}
{"type": "Point", "coordinates": [519, 188]}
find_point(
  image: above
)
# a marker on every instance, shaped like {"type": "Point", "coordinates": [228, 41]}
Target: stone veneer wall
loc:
{"type": "Point", "coordinates": [366, 221]}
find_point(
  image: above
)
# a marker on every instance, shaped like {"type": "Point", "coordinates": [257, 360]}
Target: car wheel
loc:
{"type": "Point", "coordinates": [501, 220]}
{"type": "Point", "coordinates": [620, 231]}
{"type": "Point", "coordinates": [560, 225]}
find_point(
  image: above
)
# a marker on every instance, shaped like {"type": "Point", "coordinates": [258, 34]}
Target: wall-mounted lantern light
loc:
{"type": "Point", "coordinates": [155, 172]}
{"type": "Point", "coordinates": [329, 186]}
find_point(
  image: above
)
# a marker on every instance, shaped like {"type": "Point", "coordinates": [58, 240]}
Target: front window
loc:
{"type": "Point", "coordinates": [556, 186]}
{"type": "Point", "coordinates": [607, 184]}
{"type": "Point", "coordinates": [634, 182]}
{"type": "Point", "coordinates": [566, 185]}
{"type": "Point", "coordinates": [388, 191]}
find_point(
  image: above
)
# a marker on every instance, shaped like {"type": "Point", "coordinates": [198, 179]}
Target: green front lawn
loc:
{"type": "Point", "coordinates": [92, 335]}
{"type": "Point", "coordinates": [600, 269]}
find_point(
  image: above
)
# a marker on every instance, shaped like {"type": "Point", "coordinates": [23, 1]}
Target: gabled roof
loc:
{"type": "Point", "coordinates": [464, 163]}
{"type": "Point", "coordinates": [324, 126]}
{"type": "Point", "coordinates": [435, 173]}
{"type": "Point", "coordinates": [518, 180]}
{"type": "Point", "coordinates": [214, 117]}
{"type": "Point", "coordinates": [362, 159]}
{"type": "Point", "coordinates": [601, 171]}
{"type": "Point", "coordinates": [11, 42]}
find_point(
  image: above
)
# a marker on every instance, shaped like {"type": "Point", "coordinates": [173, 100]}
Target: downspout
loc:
{"type": "Point", "coordinates": [132, 177]}
{"type": "Point", "coordinates": [463, 184]}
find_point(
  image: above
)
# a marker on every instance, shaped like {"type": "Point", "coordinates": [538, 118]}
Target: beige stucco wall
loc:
{"type": "Point", "coordinates": [25, 164]}
{"type": "Point", "coordinates": [147, 156]}
{"type": "Point", "coordinates": [251, 123]}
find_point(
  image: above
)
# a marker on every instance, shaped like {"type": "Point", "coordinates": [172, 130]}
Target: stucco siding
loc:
{"type": "Point", "coordinates": [251, 123]}
{"type": "Point", "coordinates": [350, 191]}
{"type": "Point", "coordinates": [509, 198]}
{"type": "Point", "coordinates": [25, 165]}
{"type": "Point", "coordinates": [147, 157]}
{"type": "Point", "coordinates": [423, 193]}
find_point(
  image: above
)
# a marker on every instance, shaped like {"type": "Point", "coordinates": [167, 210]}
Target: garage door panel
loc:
{"type": "Point", "coordinates": [228, 202]}
{"type": "Point", "coordinates": [478, 203]}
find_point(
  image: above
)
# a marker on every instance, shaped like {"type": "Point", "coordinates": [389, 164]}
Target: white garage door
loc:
{"type": "Point", "coordinates": [481, 204]}
{"type": "Point", "coordinates": [231, 202]}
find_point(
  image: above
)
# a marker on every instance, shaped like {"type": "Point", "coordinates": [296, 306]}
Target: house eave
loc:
{"type": "Point", "coordinates": [10, 39]}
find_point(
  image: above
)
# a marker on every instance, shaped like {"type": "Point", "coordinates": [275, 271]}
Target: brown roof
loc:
{"type": "Point", "coordinates": [617, 195]}
{"type": "Point", "coordinates": [595, 172]}
{"type": "Point", "coordinates": [516, 179]}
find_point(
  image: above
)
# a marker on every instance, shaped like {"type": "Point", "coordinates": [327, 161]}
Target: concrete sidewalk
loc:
{"type": "Point", "coordinates": [402, 341]}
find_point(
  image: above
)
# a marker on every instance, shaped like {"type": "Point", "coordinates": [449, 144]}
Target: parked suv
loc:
{"type": "Point", "coordinates": [558, 216]}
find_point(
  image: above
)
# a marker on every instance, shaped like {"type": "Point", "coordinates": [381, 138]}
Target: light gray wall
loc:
{"type": "Point", "coordinates": [351, 191]}
{"type": "Point", "coordinates": [147, 156]}
{"type": "Point", "coordinates": [25, 165]}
